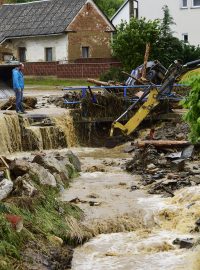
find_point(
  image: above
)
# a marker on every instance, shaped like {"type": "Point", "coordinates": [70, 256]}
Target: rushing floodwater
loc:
{"type": "Point", "coordinates": [131, 252]}
{"type": "Point", "coordinates": [148, 247]}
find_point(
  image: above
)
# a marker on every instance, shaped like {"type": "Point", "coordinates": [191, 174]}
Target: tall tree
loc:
{"type": "Point", "coordinates": [130, 41]}
{"type": "Point", "coordinates": [166, 22]}
{"type": "Point", "coordinates": [109, 7]}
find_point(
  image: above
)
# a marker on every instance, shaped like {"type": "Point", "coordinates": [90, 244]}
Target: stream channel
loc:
{"type": "Point", "coordinates": [130, 229]}
{"type": "Point", "coordinates": [130, 232]}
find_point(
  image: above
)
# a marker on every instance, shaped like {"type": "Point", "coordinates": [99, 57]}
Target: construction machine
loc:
{"type": "Point", "coordinates": [152, 96]}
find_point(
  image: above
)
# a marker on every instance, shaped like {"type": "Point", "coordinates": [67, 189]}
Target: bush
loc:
{"type": "Point", "coordinates": [113, 74]}
{"type": "Point", "coordinates": [192, 102]}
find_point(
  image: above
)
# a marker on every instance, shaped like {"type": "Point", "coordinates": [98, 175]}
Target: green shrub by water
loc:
{"type": "Point", "coordinates": [192, 103]}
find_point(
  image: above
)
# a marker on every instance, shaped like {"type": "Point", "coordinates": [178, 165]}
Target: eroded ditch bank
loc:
{"type": "Point", "coordinates": [35, 227]}
{"type": "Point", "coordinates": [128, 228]}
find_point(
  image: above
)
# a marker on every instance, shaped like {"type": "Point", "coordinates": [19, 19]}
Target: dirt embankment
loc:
{"type": "Point", "coordinates": [36, 231]}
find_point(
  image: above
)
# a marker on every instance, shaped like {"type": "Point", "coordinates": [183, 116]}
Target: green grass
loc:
{"type": "Point", "coordinates": [190, 74]}
{"type": "Point", "coordinates": [43, 215]}
{"type": "Point", "coordinates": [53, 81]}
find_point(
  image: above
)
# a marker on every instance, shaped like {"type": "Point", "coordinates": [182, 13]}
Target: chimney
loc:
{"type": "Point", "coordinates": [131, 8]}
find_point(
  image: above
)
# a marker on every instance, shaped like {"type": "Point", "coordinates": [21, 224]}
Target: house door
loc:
{"type": "Point", "coordinates": [22, 54]}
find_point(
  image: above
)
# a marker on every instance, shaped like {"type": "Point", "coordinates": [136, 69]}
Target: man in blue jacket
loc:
{"type": "Point", "coordinates": [18, 86]}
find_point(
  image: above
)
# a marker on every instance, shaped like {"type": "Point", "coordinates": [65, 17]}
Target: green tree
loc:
{"type": "Point", "coordinates": [130, 41]}
{"type": "Point", "coordinates": [166, 22]}
{"type": "Point", "coordinates": [192, 103]}
{"type": "Point", "coordinates": [109, 7]}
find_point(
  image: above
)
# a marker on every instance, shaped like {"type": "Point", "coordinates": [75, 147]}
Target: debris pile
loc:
{"type": "Point", "coordinates": [69, 100]}
{"type": "Point", "coordinates": [105, 105]}
{"type": "Point", "coordinates": [167, 162]}
{"type": "Point", "coordinates": [28, 102]}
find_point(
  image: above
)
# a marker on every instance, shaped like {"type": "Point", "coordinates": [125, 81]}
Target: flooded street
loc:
{"type": "Point", "coordinates": [128, 223]}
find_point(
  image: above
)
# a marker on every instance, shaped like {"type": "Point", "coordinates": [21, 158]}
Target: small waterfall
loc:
{"type": "Point", "coordinates": [10, 134]}
{"type": "Point", "coordinates": [66, 124]}
{"type": "Point", "coordinates": [28, 133]}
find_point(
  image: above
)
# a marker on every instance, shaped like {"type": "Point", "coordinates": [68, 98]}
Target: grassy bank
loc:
{"type": "Point", "coordinates": [53, 81]}
{"type": "Point", "coordinates": [44, 218]}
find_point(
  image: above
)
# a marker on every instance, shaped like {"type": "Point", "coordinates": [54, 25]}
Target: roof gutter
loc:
{"type": "Point", "coordinates": [17, 37]}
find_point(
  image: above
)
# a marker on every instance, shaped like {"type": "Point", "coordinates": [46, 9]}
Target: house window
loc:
{"type": "Point", "coordinates": [185, 38]}
{"type": "Point", "coordinates": [85, 52]}
{"type": "Point", "coordinates": [7, 57]}
{"type": "Point", "coordinates": [48, 54]}
{"type": "Point", "coordinates": [184, 3]}
{"type": "Point", "coordinates": [22, 54]}
{"type": "Point", "coordinates": [196, 3]}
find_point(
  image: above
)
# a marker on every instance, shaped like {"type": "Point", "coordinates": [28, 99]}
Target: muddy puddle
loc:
{"type": "Point", "coordinates": [129, 231]}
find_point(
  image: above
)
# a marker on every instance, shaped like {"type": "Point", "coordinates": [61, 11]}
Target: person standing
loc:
{"type": "Point", "coordinates": [18, 86]}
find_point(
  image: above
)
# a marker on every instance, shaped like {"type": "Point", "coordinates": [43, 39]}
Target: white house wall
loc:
{"type": "Point", "coordinates": [123, 15]}
{"type": "Point", "coordinates": [186, 19]}
{"type": "Point", "coordinates": [35, 47]}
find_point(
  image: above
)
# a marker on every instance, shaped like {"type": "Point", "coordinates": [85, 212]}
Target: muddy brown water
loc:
{"type": "Point", "coordinates": [146, 242]}
{"type": "Point", "coordinates": [130, 230]}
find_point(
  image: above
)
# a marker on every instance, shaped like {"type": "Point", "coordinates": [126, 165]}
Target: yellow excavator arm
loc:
{"type": "Point", "coordinates": [140, 115]}
{"type": "Point", "coordinates": [153, 94]}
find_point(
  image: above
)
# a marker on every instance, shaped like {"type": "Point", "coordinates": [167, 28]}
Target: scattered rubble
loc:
{"type": "Point", "coordinates": [163, 162]}
{"type": "Point", "coordinates": [53, 170]}
{"type": "Point", "coordinates": [6, 187]}
{"type": "Point", "coordinates": [28, 102]}
{"type": "Point", "coordinates": [184, 243]}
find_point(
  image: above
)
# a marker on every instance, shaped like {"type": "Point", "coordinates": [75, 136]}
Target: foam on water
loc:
{"type": "Point", "coordinates": [132, 251]}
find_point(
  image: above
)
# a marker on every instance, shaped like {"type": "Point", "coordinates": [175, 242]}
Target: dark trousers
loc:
{"type": "Point", "coordinates": [19, 100]}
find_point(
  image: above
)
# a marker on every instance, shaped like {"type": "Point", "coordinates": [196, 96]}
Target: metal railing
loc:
{"type": "Point", "coordinates": [125, 88]}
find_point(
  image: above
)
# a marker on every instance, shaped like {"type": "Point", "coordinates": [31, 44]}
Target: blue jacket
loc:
{"type": "Point", "coordinates": [18, 79]}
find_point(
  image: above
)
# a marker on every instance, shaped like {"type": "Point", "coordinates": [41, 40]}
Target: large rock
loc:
{"type": "Point", "coordinates": [6, 187]}
{"type": "Point", "coordinates": [42, 175]}
{"type": "Point", "coordinates": [24, 186]}
{"type": "Point", "coordinates": [74, 160]}
{"type": "Point", "coordinates": [56, 165]}
{"type": "Point", "coordinates": [19, 167]}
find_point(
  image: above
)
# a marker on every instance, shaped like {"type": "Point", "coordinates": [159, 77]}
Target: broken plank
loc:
{"type": "Point", "coordinates": [100, 83]}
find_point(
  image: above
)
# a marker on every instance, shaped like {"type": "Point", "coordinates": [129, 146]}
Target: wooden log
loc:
{"type": "Point", "coordinates": [7, 171]}
{"type": "Point", "coordinates": [99, 82]}
{"type": "Point", "coordinates": [146, 57]}
{"type": "Point", "coordinates": [161, 143]}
